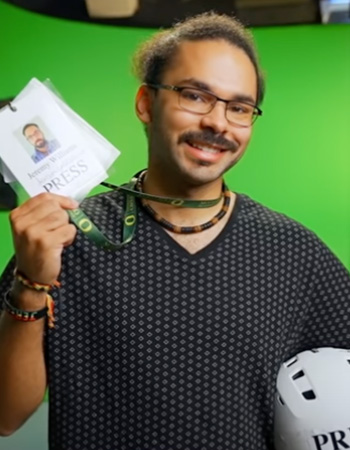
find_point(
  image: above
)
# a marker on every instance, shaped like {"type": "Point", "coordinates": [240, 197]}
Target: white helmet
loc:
{"type": "Point", "coordinates": [312, 403]}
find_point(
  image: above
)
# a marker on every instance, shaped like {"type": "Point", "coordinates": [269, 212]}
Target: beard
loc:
{"type": "Point", "coordinates": [40, 143]}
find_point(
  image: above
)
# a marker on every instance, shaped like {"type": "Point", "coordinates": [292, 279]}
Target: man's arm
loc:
{"type": "Point", "coordinates": [41, 230]}
{"type": "Point", "coordinates": [23, 373]}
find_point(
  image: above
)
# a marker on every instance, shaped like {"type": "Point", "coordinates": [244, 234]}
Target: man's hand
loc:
{"type": "Point", "coordinates": [41, 230]}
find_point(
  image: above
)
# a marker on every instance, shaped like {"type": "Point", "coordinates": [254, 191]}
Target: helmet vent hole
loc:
{"type": "Point", "coordinates": [280, 399]}
{"type": "Point", "coordinates": [298, 375]}
{"type": "Point", "coordinates": [348, 361]}
{"type": "Point", "coordinates": [309, 395]}
{"type": "Point", "coordinates": [291, 362]}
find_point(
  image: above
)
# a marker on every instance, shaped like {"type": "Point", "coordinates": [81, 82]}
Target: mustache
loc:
{"type": "Point", "coordinates": [210, 138]}
{"type": "Point", "coordinates": [40, 143]}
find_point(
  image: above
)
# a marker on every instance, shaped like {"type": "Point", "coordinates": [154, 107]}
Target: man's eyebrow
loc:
{"type": "Point", "coordinates": [201, 85]}
{"type": "Point", "coordinates": [244, 99]}
{"type": "Point", "coordinates": [196, 83]}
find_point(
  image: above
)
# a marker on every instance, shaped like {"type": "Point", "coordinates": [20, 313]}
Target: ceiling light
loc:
{"type": "Point", "coordinates": [108, 9]}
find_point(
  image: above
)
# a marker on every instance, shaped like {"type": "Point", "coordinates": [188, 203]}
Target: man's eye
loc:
{"type": "Point", "coordinates": [194, 96]}
{"type": "Point", "coordinates": [239, 108]}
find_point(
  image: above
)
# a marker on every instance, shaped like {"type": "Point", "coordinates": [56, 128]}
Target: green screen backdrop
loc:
{"type": "Point", "coordinates": [298, 161]}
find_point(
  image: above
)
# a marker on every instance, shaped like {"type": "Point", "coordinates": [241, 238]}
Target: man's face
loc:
{"type": "Point", "coordinates": [35, 136]}
{"type": "Point", "coordinates": [177, 137]}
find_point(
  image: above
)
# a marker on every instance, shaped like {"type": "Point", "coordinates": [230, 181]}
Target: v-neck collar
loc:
{"type": "Point", "coordinates": [179, 249]}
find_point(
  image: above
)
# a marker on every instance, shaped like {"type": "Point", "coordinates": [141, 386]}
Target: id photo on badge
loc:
{"type": "Point", "coordinates": [37, 139]}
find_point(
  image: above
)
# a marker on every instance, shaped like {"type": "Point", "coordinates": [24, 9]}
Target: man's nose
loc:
{"type": "Point", "coordinates": [216, 118]}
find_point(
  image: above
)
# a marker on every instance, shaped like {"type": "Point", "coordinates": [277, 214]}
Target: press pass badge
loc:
{"type": "Point", "coordinates": [47, 148]}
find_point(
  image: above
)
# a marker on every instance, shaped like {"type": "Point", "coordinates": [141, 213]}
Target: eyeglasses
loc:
{"type": "Point", "coordinates": [199, 101]}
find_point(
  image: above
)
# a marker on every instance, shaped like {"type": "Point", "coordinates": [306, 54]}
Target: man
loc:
{"type": "Point", "coordinates": [174, 341]}
{"type": "Point", "coordinates": [42, 146]}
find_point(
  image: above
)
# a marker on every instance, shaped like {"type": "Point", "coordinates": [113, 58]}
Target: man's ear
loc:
{"type": "Point", "coordinates": [143, 104]}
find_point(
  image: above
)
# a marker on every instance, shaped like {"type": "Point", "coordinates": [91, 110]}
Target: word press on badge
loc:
{"type": "Point", "coordinates": [47, 147]}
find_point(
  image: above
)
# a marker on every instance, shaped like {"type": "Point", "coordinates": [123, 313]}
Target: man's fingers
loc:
{"type": "Point", "coordinates": [37, 231]}
{"type": "Point", "coordinates": [44, 201]}
{"type": "Point", "coordinates": [46, 211]}
{"type": "Point", "coordinates": [68, 234]}
{"type": "Point", "coordinates": [43, 218]}
{"type": "Point", "coordinates": [56, 239]}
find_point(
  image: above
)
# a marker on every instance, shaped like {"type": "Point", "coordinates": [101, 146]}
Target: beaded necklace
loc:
{"type": "Point", "coordinates": [185, 230]}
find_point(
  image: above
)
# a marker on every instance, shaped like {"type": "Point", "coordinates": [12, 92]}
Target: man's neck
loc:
{"type": "Point", "coordinates": [157, 185]}
{"type": "Point", "coordinates": [168, 186]}
{"type": "Point", "coordinates": [43, 150]}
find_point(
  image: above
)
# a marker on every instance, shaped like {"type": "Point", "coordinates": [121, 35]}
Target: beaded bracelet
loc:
{"type": "Point", "coordinates": [33, 284]}
{"type": "Point", "coordinates": [31, 316]}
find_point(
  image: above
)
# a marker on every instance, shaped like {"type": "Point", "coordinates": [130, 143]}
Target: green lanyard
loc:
{"type": "Point", "coordinates": [84, 224]}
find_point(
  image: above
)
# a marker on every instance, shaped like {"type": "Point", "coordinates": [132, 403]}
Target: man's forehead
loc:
{"type": "Point", "coordinates": [216, 63]}
{"type": "Point", "coordinates": [31, 128]}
